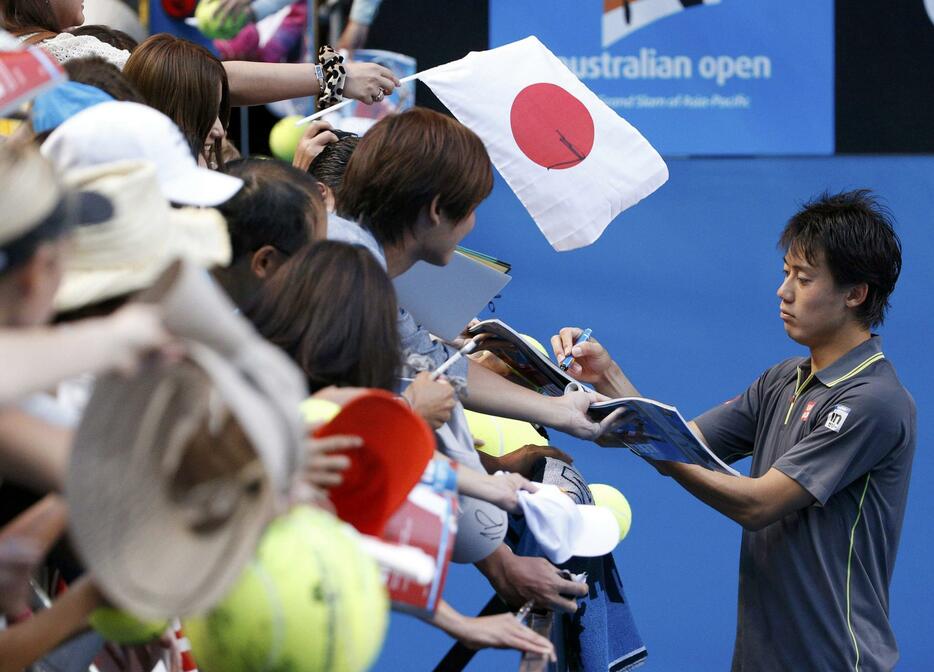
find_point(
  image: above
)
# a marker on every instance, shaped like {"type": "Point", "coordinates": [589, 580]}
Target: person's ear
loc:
{"type": "Point", "coordinates": [265, 261]}
{"type": "Point", "coordinates": [327, 195]}
{"type": "Point", "coordinates": [857, 295]}
{"type": "Point", "coordinates": [434, 210]}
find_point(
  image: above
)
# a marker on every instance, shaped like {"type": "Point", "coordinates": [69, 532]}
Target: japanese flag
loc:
{"type": "Point", "coordinates": [573, 162]}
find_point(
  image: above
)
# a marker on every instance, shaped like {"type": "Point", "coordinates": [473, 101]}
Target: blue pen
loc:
{"type": "Point", "coordinates": [566, 362]}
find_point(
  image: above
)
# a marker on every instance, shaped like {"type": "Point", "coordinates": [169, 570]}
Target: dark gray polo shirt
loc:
{"type": "Point", "coordinates": [814, 586]}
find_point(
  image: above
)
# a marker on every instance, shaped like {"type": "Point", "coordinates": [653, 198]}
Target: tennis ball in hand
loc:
{"type": "Point", "coordinates": [311, 601]}
{"type": "Point", "coordinates": [284, 137]}
{"type": "Point", "coordinates": [120, 627]}
{"type": "Point", "coordinates": [210, 26]}
{"type": "Point", "coordinates": [609, 497]}
{"type": "Point", "coordinates": [318, 411]}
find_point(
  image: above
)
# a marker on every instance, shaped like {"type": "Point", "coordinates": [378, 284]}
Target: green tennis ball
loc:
{"type": "Point", "coordinates": [501, 436]}
{"type": "Point", "coordinates": [284, 137]}
{"type": "Point", "coordinates": [609, 497]}
{"type": "Point", "coordinates": [214, 29]}
{"type": "Point", "coordinates": [311, 601]}
{"type": "Point", "coordinates": [120, 627]}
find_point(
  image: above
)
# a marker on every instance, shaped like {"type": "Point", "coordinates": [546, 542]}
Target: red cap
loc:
{"type": "Point", "coordinates": [397, 446]}
{"type": "Point", "coordinates": [179, 9]}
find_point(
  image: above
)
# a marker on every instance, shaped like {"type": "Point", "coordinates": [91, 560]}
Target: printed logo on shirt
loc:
{"type": "Point", "coordinates": [807, 410]}
{"type": "Point", "coordinates": [837, 417]}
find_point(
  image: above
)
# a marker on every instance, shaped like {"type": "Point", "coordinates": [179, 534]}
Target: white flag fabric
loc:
{"type": "Point", "coordinates": [573, 162]}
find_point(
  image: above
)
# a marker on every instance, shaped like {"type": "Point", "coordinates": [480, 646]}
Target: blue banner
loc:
{"type": "Point", "coordinates": [697, 77]}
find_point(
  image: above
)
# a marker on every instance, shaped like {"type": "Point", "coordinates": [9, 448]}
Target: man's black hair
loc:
{"type": "Point", "coordinates": [855, 236]}
{"type": "Point", "coordinates": [329, 166]}
{"type": "Point", "coordinates": [270, 209]}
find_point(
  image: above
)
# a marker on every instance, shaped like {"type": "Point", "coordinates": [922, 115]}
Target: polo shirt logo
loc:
{"type": "Point", "coordinates": [807, 410]}
{"type": "Point", "coordinates": [837, 417]}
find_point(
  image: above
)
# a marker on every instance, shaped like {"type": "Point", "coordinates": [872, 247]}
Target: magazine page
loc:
{"type": "Point", "coordinates": [656, 431]}
{"type": "Point", "coordinates": [528, 366]}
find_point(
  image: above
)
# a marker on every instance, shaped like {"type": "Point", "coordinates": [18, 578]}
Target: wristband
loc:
{"type": "Point", "coordinates": [319, 75]}
{"type": "Point", "coordinates": [332, 86]}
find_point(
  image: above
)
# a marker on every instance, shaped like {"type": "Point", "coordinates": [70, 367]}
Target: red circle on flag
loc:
{"type": "Point", "coordinates": [552, 127]}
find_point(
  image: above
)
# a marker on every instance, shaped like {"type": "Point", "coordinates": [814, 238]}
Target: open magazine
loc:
{"type": "Point", "coordinates": [648, 428]}
{"type": "Point", "coordinates": [528, 366]}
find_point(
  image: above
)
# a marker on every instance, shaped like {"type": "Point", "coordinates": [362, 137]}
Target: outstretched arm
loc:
{"type": "Point", "coordinates": [26, 642]}
{"type": "Point", "coordinates": [502, 631]}
{"type": "Point", "coordinates": [754, 503]}
{"type": "Point", "coordinates": [493, 394]}
{"type": "Point", "coordinates": [260, 83]}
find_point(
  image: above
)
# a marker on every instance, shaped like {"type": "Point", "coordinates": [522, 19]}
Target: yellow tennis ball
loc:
{"type": "Point", "coordinates": [120, 627]}
{"type": "Point", "coordinates": [284, 137]}
{"type": "Point", "coordinates": [311, 601]}
{"type": "Point", "coordinates": [535, 344]}
{"type": "Point", "coordinates": [609, 497]}
{"type": "Point", "coordinates": [211, 27]}
{"type": "Point", "coordinates": [318, 411]}
{"type": "Point", "coordinates": [501, 436]}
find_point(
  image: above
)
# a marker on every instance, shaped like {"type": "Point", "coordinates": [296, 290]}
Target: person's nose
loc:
{"type": "Point", "coordinates": [784, 291]}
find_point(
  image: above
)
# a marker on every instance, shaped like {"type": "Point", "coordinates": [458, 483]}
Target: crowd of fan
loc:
{"type": "Point", "coordinates": [127, 167]}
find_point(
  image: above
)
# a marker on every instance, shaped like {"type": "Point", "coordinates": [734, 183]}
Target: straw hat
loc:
{"type": "Point", "coordinates": [34, 202]}
{"type": "Point", "coordinates": [175, 472]}
{"type": "Point", "coordinates": [145, 234]}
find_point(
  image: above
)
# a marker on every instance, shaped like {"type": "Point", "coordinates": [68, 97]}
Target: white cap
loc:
{"type": "Point", "coordinates": [564, 529]}
{"type": "Point", "coordinates": [119, 131]}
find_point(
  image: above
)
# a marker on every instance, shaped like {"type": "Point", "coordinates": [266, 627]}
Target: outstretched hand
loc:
{"type": "Point", "coordinates": [369, 82]}
{"type": "Point", "coordinates": [591, 360]}
{"type": "Point", "coordinates": [503, 631]}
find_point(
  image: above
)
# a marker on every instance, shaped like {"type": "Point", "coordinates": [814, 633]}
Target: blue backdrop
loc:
{"type": "Point", "coordinates": [734, 77]}
{"type": "Point", "coordinates": [682, 290]}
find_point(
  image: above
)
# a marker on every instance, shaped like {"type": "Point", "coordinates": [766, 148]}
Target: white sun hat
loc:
{"type": "Point", "coordinates": [127, 252]}
{"type": "Point", "coordinates": [119, 131]}
{"type": "Point", "coordinates": [564, 529]}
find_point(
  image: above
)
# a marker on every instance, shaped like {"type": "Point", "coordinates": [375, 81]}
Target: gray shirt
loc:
{"type": "Point", "coordinates": [814, 586]}
{"type": "Point", "coordinates": [413, 337]}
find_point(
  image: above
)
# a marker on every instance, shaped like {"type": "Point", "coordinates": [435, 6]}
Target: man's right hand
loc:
{"type": "Point", "coordinates": [591, 360]}
{"type": "Point", "coordinates": [432, 399]}
{"type": "Point", "coordinates": [518, 579]}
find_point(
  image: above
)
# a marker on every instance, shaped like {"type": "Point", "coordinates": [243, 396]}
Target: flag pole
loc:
{"type": "Point", "coordinates": [348, 101]}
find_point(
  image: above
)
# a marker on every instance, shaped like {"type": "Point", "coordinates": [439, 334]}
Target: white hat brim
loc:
{"type": "Point", "coordinates": [201, 187]}
{"type": "Point", "coordinates": [598, 533]}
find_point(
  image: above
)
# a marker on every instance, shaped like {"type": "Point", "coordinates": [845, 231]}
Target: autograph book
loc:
{"type": "Point", "coordinates": [648, 428]}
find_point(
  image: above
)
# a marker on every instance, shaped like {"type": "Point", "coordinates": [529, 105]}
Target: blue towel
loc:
{"type": "Point", "coordinates": [602, 635]}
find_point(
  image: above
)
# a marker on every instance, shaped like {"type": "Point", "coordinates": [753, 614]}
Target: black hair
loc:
{"type": "Point", "coordinates": [95, 71]}
{"type": "Point", "coordinates": [112, 36]}
{"type": "Point", "coordinates": [272, 208]}
{"type": "Point", "coordinates": [856, 236]}
{"type": "Point", "coordinates": [329, 166]}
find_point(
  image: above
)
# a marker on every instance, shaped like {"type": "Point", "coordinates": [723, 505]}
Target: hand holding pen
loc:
{"type": "Point", "coordinates": [585, 358]}
{"type": "Point", "coordinates": [583, 338]}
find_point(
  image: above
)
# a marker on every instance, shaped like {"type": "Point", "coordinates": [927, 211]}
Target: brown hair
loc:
{"type": "Point", "coordinates": [180, 79]}
{"type": "Point", "coordinates": [95, 71]}
{"type": "Point", "coordinates": [406, 160]}
{"type": "Point", "coordinates": [332, 308]}
{"type": "Point", "coordinates": [28, 16]}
